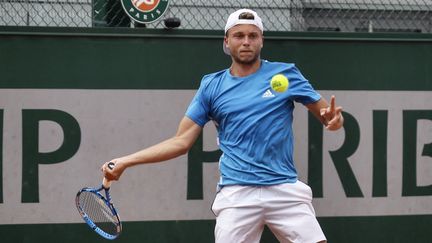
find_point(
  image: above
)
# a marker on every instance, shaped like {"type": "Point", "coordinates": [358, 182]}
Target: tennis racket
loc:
{"type": "Point", "coordinates": [98, 211]}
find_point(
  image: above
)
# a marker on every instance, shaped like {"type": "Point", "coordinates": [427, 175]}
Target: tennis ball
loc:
{"type": "Point", "coordinates": [279, 83]}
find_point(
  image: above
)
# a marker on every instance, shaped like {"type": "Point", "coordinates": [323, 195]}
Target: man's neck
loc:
{"type": "Point", "coordinates": [242, 70]}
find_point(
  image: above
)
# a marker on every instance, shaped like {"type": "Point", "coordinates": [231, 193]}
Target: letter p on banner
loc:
{"type": "Point", "coordinates": [31, 155]}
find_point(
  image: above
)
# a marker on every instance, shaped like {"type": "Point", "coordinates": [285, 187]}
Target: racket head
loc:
{"type": "Point", "coordinates": [98, 212]}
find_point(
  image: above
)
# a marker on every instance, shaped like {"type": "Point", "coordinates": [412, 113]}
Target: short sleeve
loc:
{"type": "Point", "coordinates": [198, 110]}
{"type": "Point", "coordinates": [302, 90]}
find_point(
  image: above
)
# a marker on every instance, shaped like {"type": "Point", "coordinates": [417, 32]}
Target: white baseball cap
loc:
{"type": "Point", "coordinates": [234, 19]}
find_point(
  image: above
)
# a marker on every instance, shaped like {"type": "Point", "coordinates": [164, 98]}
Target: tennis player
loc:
{"type": "Point", "coordinates": [258, 184]}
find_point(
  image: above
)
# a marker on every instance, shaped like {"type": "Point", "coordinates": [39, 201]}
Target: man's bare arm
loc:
{"type": "Point", "coordinates": [173, 147]}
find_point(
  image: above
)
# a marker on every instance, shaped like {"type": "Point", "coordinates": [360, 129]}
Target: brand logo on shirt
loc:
{"type": "Point", "coordinates": [268, 94]}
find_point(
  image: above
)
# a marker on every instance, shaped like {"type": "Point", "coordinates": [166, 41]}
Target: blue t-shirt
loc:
{"type": "Point", "coordinates": [254, 123]}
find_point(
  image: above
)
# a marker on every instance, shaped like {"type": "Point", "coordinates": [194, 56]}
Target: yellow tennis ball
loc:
{"type": "Point", "coordinates": [279, 83]}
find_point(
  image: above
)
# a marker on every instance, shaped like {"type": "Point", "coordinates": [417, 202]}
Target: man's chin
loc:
{"type": "Point", "coordinates": [246, 59]}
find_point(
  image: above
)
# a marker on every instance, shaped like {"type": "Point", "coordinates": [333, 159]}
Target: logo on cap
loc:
{"type": "Point", "coordinates": [145, 11]}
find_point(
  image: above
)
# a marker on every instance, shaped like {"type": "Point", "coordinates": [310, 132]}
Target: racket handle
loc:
{"type": "Point", "coordinates": [105, 182]}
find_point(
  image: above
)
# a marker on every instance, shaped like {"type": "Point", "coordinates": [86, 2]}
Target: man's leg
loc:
{"type": "Point", "coordinates": [290, 214]}
{"type": "Point", "coordinates": [239, 217]}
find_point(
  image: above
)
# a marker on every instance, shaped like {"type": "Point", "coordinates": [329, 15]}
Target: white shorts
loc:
{"type": "Point", "coordinates": [242, 211]}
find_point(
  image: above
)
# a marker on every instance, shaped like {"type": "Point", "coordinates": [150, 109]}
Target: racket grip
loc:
{"type": "Point", "coordinates": [105, 182]}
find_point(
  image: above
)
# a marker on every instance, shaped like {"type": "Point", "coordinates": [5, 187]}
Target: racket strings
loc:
{"type": "Point", "coordinates": [99, 212]}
